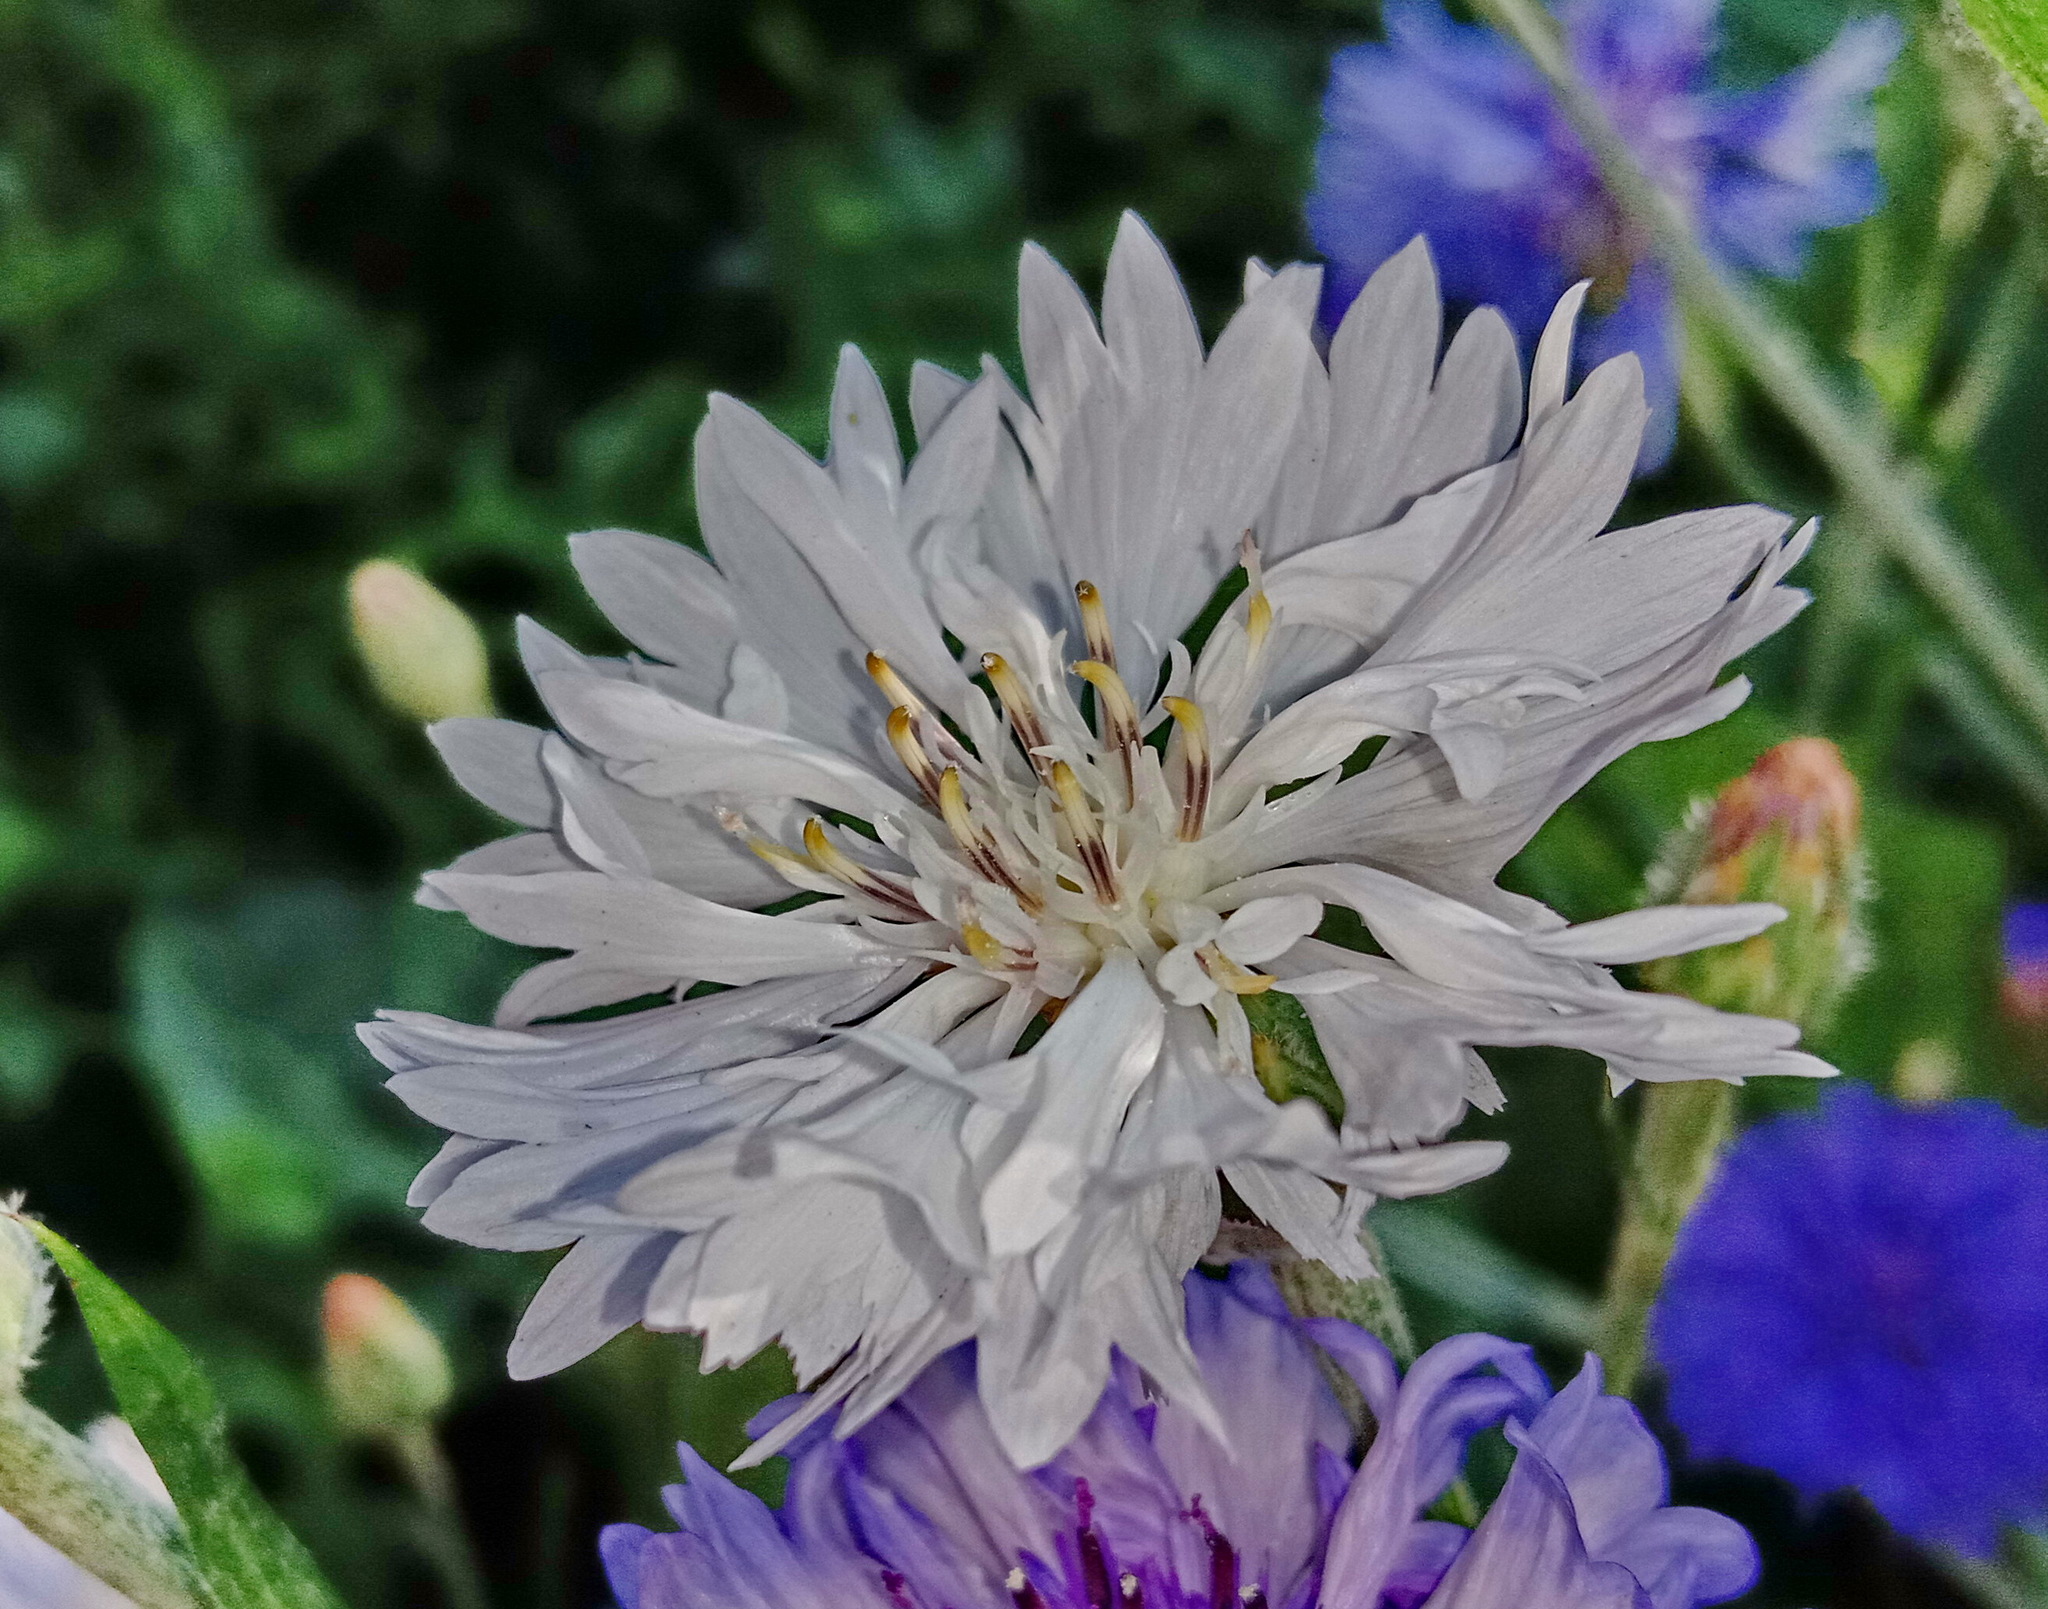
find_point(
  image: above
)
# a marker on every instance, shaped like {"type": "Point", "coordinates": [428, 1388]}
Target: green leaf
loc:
{"type": "Point", "coordinates": [242, 1017]}
{"type": "Point", "coordinates": [249, 1559]}
{"type": "Point", "coordinates": [2016, 33]}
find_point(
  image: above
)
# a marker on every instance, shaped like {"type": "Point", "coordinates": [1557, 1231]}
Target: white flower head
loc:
{"type": "Point", "coordinates": [919, 768]}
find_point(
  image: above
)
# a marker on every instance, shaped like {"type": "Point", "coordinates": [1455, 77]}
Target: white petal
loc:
{"type": "Point", "coordinates": [1657, 931]}
{"type": "Point", "coordinates": [1303, 1209]}
{"type": "Point", "coordinates": [1552, 368]}
{"type": "Point", "coordinates": [1181, 974]}
{"type": "Point", "coordinates": [498, 763]}
{"type": "Point", "coordinates": [1146, 321]}
{"type": "Point", "coordinates": [666, 748]}
{"type": "Point", "coordinates": [866, 461]}
{"type": "Point", "coordinates": [862, 562]}
{"type": "Point", "coordinates": [1381, 361]}
{"type": "Point", "coordinates": [666, 599]}
{"type": "Point", "coordinates": [933, 391]}
{"type": "Point", "coordinates": [647, 922]}
{"type": "Point", "coordinates": [1094, 1058]}
{"type": "Point", "coordinates": [1263, 928]}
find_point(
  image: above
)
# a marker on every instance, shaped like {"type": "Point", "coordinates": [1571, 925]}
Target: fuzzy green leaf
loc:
{"type": "Point", "coordinates": [2017, 33]}
{"type": "Point", "coordinates": [248, 1558]}
{"type": "Point", "coordinates": [2013, 34]}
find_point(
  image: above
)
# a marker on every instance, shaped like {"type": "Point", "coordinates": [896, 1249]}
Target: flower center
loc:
{"type": "Point", "coordinates": [1060, 819]}
{"type": "Point", "coordinates": [1094, 1579]}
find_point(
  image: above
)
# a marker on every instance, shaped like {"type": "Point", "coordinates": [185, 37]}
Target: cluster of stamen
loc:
{"type": "Point", "coordinates": [1078, 842]}
{"type": "Point", "coordinates": [1099, 1589]}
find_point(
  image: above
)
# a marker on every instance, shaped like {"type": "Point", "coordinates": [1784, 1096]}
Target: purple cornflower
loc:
{"type": "Point", "coordinates": [1448, 131]}
{"type": "Point", "coordinates": [1861, 1301]}
{"type": "Point", "coordinates": [921, 1509]}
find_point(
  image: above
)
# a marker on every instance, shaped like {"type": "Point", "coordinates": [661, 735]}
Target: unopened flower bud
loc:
{"type": "Point", "coordinates": [425, 655]}
{"type": "Point", "coordinates": [1787, 831]}
{"type": "Point", "coordinates": [24, 1299]}
{"type": "Point", "coordinates": [385, 1370]}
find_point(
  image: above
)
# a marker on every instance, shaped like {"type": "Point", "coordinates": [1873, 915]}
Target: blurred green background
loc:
{"type": "Point", "coordinates": [290, 285]}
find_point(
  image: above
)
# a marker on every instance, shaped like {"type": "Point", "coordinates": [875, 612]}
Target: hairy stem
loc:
{"type": "Point", "coordinates": [1678, 1140]}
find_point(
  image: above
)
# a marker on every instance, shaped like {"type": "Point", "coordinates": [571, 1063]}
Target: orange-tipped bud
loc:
{"type": "Point", "coordinates": [1787, 831]}
{"type": "Point", "coordinates": [385, 1371]}
{"type": "Point", "coordinates": [424, 654]}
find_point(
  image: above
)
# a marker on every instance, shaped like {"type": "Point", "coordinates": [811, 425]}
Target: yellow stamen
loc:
{"type": "Point", "coordinates": [1095, 622]}
{"type": "Point", "coordinates": [1087, 832]}
{"type": "Point", "coordinates": [986, 948]}
{"type": "Point", "coordinates": [893, 686]}
{"type": "Point", "coordinates": [1259, 610]}
{"type": "Point", "coordinates": [981, 850]}
{"type": "Point", "coordinates": [1258, 620]}
{"type": "Point", "coordinates": [1195, 771]}
{"type": "Point", "coordinates": [904, 740]}
{"type": "Point", "coordinates": [953, 810]}
{"type": "Point", "coordinates": [1119, 709]}
{"type": "Point", "coordinates": [830, 859]}
{"type": "Point", "coordinates": [791, 866]}
{"type": "Point", "coordinates": [1016, 699]}
{"type": "Point", "coordinates": [1227, 974]}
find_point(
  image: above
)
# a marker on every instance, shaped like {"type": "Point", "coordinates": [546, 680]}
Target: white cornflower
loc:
{"type": "Point", "coordinates": [982, 1079]}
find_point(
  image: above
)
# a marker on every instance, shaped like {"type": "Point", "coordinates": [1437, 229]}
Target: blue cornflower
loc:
{"type": "Point", "coordinates": [1448, 131]}
{"type": "Point", "coordinates": [1861, 1301]}
{"type": "Point", "coordinates": [920, 1508]}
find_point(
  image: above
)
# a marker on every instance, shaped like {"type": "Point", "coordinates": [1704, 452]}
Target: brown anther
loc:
{"type": "Point", "coordinates": [910, 750]}
{"type": "Point", "coordinates": [981, 850]}
{"type": "Point", "coordinates": [1196, 777]}
{"type": "Point", "coordinates": [1016, 700]}
{"type": "Point", "coordinates": [1095, 622]}
{"type": "Point", "coordinates": [1088, 841]}
{"type": "Point", "coordinates": [1119, 711]}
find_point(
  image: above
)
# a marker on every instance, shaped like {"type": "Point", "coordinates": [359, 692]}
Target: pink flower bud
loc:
{"type": "Point", "coordinates": [1787, 831]}
{"type": "Point", "coordinates": [385, 1370]}
{"type": "Point", "coordinates": [424, 654]}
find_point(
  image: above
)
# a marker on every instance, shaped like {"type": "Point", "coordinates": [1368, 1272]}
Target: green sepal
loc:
{"type": "Point", "coordinates": [1287, 1055]}
{"type": "Point", "coordinates": [248, 1558]}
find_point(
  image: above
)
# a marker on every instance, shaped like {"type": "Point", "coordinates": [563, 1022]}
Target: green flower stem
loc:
{"type": "Point", "coordinates": [76, 1501]}
{"type": "Point", "coordinates": [1313, 1290]}
{"type": "Point", "coordinates": [1679, 1136]}
{"type": "Point", "coordinates": [1853, 447]}
{"type": "Point", "coordinates": [443, 1536]}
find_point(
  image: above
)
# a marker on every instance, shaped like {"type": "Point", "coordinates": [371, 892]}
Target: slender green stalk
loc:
{"type": "Point", "coordinates": [443, 1536]}
{"type": "Point", "coordinates": [72, 1498]}
{"type": "Point", "coordinates": [1314, 1291]}
{"type": "Point", "coordinates": [1854, 447]}
{"type": "Point", "coordinates": [1679, 1136]}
